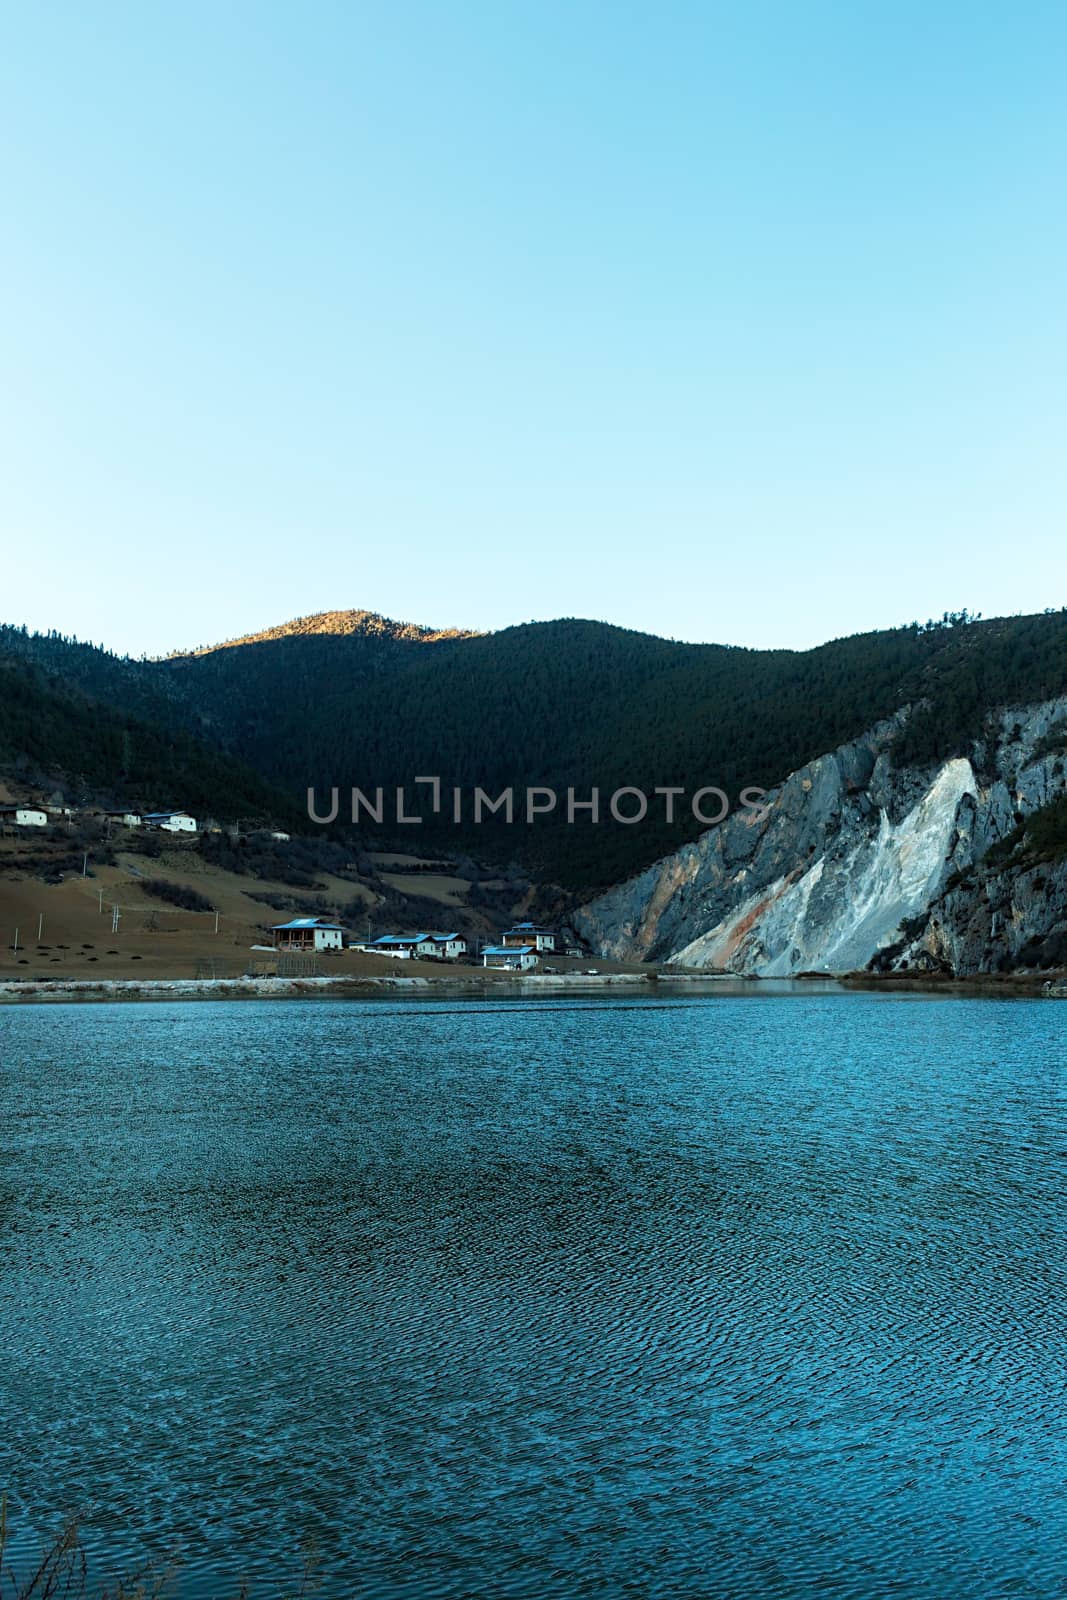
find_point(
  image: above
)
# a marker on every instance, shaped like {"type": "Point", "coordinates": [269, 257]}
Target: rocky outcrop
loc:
{"type": "Point", "coordinates": [991, 921]}
{"type": "Point", "coordinates": [859, 862]}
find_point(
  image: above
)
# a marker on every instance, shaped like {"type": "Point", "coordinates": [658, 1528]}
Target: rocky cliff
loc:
{"type": "Point", "coordinates": [860, 861]}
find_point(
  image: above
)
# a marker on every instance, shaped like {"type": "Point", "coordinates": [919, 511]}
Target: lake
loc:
{"type": "Point", "coordinates": [726, 1296]}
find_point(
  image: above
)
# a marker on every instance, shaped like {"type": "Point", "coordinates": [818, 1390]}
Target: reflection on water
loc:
{"type": "Point", "coordinates": [709, 1297]}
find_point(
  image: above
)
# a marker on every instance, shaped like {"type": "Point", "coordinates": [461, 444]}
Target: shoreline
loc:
{"type": "Point", "coordinates": [89, 990]}
{"type": "Point", "coordinates": [367, 987]}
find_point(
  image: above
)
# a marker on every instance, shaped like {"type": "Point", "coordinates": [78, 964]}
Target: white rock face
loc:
{"type": "Point", "coordinates": [848, 848]}
{"type": "Point", "coordinates": [844, 907]}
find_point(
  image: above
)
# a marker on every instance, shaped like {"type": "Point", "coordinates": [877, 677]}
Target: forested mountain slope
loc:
{"type": "Point", "coordinates": [350, 698]}
{"type": "Point", "coordinates": [53, 737]}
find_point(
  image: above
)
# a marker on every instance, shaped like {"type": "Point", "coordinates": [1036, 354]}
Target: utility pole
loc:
{"type": "Point", "coordinates": [40, 926]}
{"type": "Point", "coordinates": [85, 863]}
{"type": "Point", "coordinates": [100, 902]}
{"type": "Point", "coordinates": [16, 941]}
{"type": "Point", "coordinates": [115, 915]}
{"type": "Point", "coordinates": [216, 922]}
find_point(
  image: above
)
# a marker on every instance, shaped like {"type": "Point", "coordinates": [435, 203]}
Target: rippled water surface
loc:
{"type": "Point", "coordinates": [734, 1297]}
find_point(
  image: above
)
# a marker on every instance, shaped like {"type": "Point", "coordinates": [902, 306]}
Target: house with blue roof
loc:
{"type": "Point", "coordinates": [170, 821]}
{"type": "Point", "coordinates": [531, 933]}
{"type": "Point", "coordinates": [424, 946]}
{"type": "Point", "coordinates": [402, 946]}
{"type": "Point", "coordinates": [510, 957]}
{"type": "Point", "coordinates": [306, 934]}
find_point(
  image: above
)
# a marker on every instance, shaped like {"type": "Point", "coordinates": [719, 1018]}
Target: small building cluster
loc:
{"type": "Point", "coordinates": [29, 815]}
{"type": "Point", "coordinates": [416, 946]}
{"type": "Point", "coordinates": [521, 947]}
{"type": "Point", "coordinates": [518, 949]}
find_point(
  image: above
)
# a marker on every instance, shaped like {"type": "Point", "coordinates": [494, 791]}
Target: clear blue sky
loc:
{"type": "Point", "coordinates": [737, 322]}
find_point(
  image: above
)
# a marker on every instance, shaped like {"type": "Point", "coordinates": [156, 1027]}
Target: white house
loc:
{"type": "Point", "coordinates": [124, 819]}
{"type": "Point", "coordinates": [307, 934]}
{"type": "Point", "coordinates": [283, 838]}
{"type": "Point", "coordinates": [510, 957]}
{"type": "Point", "coordinates": [530, 933]}
{"type": "Point", "coordinates": [170, 821]}
{"type": "Point", "coordinates": [403, 946]}
{"type": "Point", "coordinates": [449, 946]}
{"type": "Point", "coordinates": [24, 816]}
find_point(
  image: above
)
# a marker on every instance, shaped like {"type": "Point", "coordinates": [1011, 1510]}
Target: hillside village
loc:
{"type": "Point", "coordinates": [43, 814]}
{"type": "Point", "coordinates": [98, 892]}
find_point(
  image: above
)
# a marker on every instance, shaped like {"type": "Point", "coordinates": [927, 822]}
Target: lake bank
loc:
{"type": "Point", "coordinates": [495, 985]}
{"type": "Point", "coordinates": [489, 985]}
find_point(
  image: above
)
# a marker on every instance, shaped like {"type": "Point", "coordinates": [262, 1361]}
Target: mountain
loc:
{"type": "Point", "coordinates": [350, 698]}
{"type": "Point", "coordinates": [337, 624]}
{"type": "Point", "coordinates": [579, 703]}
{"type": "Point", "coordinates": [863, 860]}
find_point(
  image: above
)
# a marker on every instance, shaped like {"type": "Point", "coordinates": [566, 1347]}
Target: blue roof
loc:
{"type": "Point", "coordinates": [305, 922]}
{"type": "Point", "coordinates": [401, 938]}
{"type": "Point", "coordinates": [442, 938]}
{"type": "Point", "coordinates": [507, 950]}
